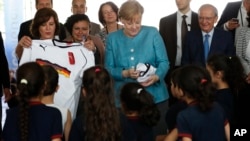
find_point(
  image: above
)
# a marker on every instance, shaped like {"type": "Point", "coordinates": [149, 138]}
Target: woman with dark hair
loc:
{"type": "Point", "coordinates": [45, 25]}
{"type": "Point", "coordinates": [31, 120]}
{"type": "Point", "coordinates": [101, 120]}
{"type": "Point", "coordinates": [108, 17]}
{"type": "Point", "coordinates": [139, 107]}
{"type": "Point", "coordinates": [78, 26]}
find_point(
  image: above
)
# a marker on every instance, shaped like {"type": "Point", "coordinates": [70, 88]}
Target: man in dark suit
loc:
{"type": "Point", "coordinates": [170, 30]}
{"type": "Point", "coordinates": [79, 7]}
{"type": "Point", "coordinates": [25, 26]}
{"type": "Point", "coordinates": [219, 41]}
{"type": "Point", "coordinates": [4, 79]}
{"type": "Point", "coordinates": [233, 11]}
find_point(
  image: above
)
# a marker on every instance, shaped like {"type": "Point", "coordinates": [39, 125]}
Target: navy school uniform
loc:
{"type": "Point", "coordinates": [202, 126]}
{"type": "Point", "coordinates": [142, 131]}
{"type": "Point", "coordinates": [225, 98]}
{"type": "Point", "coordinates": [172, 113]}
{"type": "Point", "coordinates": [45, 123]}
{"type": "Point", "coordinates": [77, 130]}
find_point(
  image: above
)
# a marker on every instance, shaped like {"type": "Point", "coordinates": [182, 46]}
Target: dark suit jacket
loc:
{"type": "Point", "coordinates": [4, 74]}
{"type": "Point", "coordinates": [25, 30]}
{"type": "Point", "coordinates": [94, 28]}
{"type": "Point", "coordinates": [231, 11]}
{"type": "Point", "coordinates": [193, 53]}
{"type": "Point", "coordinates": [168, 31]}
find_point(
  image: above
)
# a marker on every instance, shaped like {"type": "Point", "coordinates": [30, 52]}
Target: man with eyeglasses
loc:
{"type": "Point", "coordinates": [200, 44]}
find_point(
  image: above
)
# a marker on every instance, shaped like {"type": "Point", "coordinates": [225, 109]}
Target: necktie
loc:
{"type": "Point", "coordinates": [184, 29]}
{"type": "Point", "coordinates": [206, 46]}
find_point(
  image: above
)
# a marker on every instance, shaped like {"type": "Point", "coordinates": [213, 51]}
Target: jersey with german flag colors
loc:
{"type": "Point", "coordinates": [70, 60]}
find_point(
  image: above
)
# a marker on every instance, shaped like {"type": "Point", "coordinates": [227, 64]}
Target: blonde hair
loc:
{"type": "Point", "coordinates": [130, 8]}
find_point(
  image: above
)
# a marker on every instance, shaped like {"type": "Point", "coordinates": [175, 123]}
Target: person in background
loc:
{"type": "Point", "coordinates": [197, 90]}
{"type": "Point", "coordinates": [134, 45]}
{"type": "Point", "coordinates": [32, 120]}
{"type": "Point", "coordinates": [233, 16]}
{"type": "Point", "coordinates": [79, 7]}
{"type": "Point", "coordinates": [45, 25]}
{"type": "Point", "coordinates": [24, 30]}
{"type": "Point", "coordinates": [200, 44]}
{"type": "Point", "coordinates": [51, 87]}
{"type": "Point", "coordinates": [78, 26]}
{"type": "Point", "coordinates": [101, 120]}
{"type": "Point", "coordinates": [4, 78]}
{"type": "Point", "coordinates": [139, 107]}
{"type": "Point", "coordinates": [174, 35]}
{"type": "Point", "coordinates": [108, 17]}
{"type": "Point", "coordinates": [242, 43]}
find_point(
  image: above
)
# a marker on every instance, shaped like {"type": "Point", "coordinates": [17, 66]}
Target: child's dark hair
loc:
{"type": "Point", "coordinates": [232, 69]}
{"type": "Point", "coordinates": [30, 83]}
{"type": "Point", "coordinates": [102, 120]}
{"type": "Point", "coordinates": [134, 97]}
{"type": "Point", "coordinates": [174, 77]}
{"type": "Point", "coordinates": [196, 83]}
{"type": "Point", "coordinates": [51, 79]}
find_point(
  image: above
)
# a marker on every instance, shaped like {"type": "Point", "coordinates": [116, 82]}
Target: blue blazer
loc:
{"type": "Point", "coordinates": [193, 52]}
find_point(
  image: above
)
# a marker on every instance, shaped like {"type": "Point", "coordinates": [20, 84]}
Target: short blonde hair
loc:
{"type": "Point", "coordinates": [130, 8]}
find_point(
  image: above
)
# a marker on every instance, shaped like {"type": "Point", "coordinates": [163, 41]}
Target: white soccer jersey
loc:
{"type": "Point", "coordinates": [70, 60]}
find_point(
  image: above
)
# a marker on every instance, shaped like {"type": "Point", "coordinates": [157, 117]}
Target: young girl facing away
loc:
{"type": "Point", "coordinates": [101, 120]}
{"type": "Point", "coordinates": [51, 87]}
{"type": "Point", "coordinates": [31, 120]}
{"type": "Point", "coordinates": [228, 76]}
{"type": "Point", "coordinates": [178, 106]}
{"type": "Point", "coordinates": [203, 119]}
{"type": "Point", "coordinates": [140, 109]}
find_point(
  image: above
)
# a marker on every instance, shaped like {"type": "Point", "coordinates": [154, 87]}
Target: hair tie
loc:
{"type": "Point", "coordinates": [97, 70]}
{"type": "Point", "coordinates": [24, 81]}
{"type": "Point", "coordinates": [203, 81]}
{"type": "Point", "coordinates": [139, 90]}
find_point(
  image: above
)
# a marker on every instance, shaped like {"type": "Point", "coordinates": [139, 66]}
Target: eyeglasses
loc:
{"type": "Point", "coordinates": [206, 18]}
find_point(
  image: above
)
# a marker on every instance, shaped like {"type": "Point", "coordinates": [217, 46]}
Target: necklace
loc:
{"type": "Point", "coordinates": [117, 27]}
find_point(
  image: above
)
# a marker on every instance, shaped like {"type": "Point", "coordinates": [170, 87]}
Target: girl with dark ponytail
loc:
{"type": "Point", "coordinates": [139, 107]}
{"type": "Point", "coordinates": [31, 120]}
{"type": "Point", "coordinates": [101, 120]}
{"type": "Point", "coordinates": [203, 119]}
{"type": "Point", "coordinates": [232, 93]}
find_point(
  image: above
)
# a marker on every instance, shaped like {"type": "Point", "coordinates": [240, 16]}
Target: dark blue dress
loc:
{"type": "Point", "coordinates": [202, 126]}
{"type": "Point", "coordinates": [225, 98]}
{"type": "Point", "coordinates": [45, 123]}
{"type": "Point", "coordinates": [77, 132]}
{"type": "Point", "coordinates": [142, 131]}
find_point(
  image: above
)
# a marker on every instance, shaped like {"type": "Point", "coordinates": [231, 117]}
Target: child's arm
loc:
{"type": "Point", "coordinates": [172, 135]}
{"type": "Point", "coordinates": [227, 131]}
{"type": "Point", "coordinates": [67, 126]}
